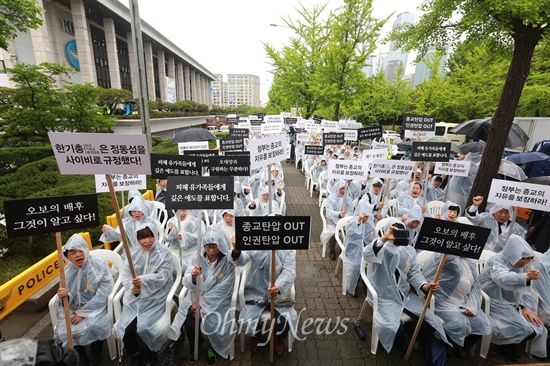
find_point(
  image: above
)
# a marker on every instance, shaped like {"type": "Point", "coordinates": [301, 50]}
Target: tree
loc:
{"type": "Point", "coordinates": [535, 99]}
{"type": "Point", "coordinates": [17, 16]}
{"type": "Point", "coordinates": [83, 113]}
{"type": "Point", "coordinates": [110, 98]}
{"type": "Point", "coordinates": [504, 25]}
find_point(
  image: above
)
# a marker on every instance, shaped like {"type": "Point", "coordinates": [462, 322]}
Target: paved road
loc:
{"type": "Point", "coordinates": [318, 297]}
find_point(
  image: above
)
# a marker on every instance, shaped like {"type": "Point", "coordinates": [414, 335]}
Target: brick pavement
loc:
{"type": "Point", "coordinates": [319, 297]}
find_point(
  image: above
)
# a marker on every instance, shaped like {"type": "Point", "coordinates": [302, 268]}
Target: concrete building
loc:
{"type": "Point", "coordinates": [422, 72]}
{"type": "Point", "coordinates": [94, 37]}
{"type": "Point", "coordinates": [238, 89]}
{"type": "Point", "coordinates": [397, 58]}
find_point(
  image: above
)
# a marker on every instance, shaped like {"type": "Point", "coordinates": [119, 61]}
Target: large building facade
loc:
{"type": "Point", "coordinates": [396, 59]}
{"type": "Point", "coordinates": [94, 37]}
{"type": "Point", "coordinates": [238, 89]}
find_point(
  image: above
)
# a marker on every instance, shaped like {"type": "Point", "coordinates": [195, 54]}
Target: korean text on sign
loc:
{"type": "Point", "coordinates": [266, 151]}
{"type": "Point", "coordinates": [526, 195]}
{"type": "Point", "coordinates": [272, 232]}
{"type": "Point", "coordinates": [200, 192]}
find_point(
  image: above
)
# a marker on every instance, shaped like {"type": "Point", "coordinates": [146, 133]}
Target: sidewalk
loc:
{"type": "Point", "coordinates": [319, 297]}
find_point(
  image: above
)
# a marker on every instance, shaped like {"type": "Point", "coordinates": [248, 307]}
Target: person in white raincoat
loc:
{"type": "Point", "coordinates": [459, 188]}
{"type": "Point", "coordinates": [413, 221]}
{"type": "Point", "coordinates": [373, 196]}
{"type": "Point", "coordinates": [217, 275]}
{"type": "Point", "coordinates": [513, 310]}
{"type": "Point", "coordinates": [433, 192]}
{"type": "Point", "coordinates": [498, 220]}
{"type": "Point", "coordinates": [89, 283]}
{"type": "Point", "coordinates": [182, 236]}
{"type": "Point", "coordinates": [338, 205]}
{"type": "Point", "coordinates": [261, 207]}
{"type": "Point", "coordinates": [359, 232]}
{"type": "Point", "coordinates": [134, 194]}
{"type": "Point", "coordinates": [393, 271]}
{"type": "Point", "coordinates": [143, 313]}
{"type": "Point", "coordinates": [227, 225]}
{"type": "Point", "coordinates": [258, 290]}
{"type": "Point", "coordinates": [449, 212]}
{"type": "Point", "coordinates": [542, 287]}
{"type": "Point", "coordinates": [458, 301]}
{"type": "Point", "coordinates": [407, 200]}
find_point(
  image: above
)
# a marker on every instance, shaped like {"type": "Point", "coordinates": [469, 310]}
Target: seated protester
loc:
{"type": "Point", "coordinates": [318, 169]}
{"type": "Point", "coordinates": [183, 235]}
{"type": "Point", "coordinates": [254, 181]}
{"type": "Point", "coordinates": [397, 278]}
{"type": "Point", "coordinates": [89, 284]}
{"type": "Point", "coordinates": [338, 205]}
{"type": "Point", "coordinates": [507, 282]}
{"type": "Point", "coordinates": [227, 225]}
{"type": "Point", "coordinates": [542, 287]}
{"type": "Point", "coordinates": [160, 196]}
{"type": "Point", "coordinates": [497, 219]}
{"type": "Point", "coordinates": [144, 300]}
{"type": "Point", "coordinates": [458, 301]}
{"type": "Point", "coordinates": [258, 291]}
{"type": "Point", "coordinates": [135, 194]}
{"type": "Point", "coordinates": [406, 201]}
{"type": "Point", "coordinates": [458, 189]}
{"type": "Point", "coordinates": [373, 197]}
{"type": "Point", "coordinates": [449, 212]}
{"type": "Point", "coordinates": [134, 218]}
{"type": "Point", "coordinates": [261, 207]}
{"type": "Point", "coordinates": [359, 232]}
{"type": "Point", "coordinates": [217, 275]}
{"type": "Point", "coordinates": [434, 192]}
{"type": "Point", "coordinates": [354, 189]}
{"type": "Point", "coordinates": [413, 220]}
{"type": "Point", "coordinates": [404, 186]}
{"type": "Point", "coordinates": [238, 199]}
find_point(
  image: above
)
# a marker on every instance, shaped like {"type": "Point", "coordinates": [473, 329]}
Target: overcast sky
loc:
{"type": "Point", "coordinates": [225, 35]}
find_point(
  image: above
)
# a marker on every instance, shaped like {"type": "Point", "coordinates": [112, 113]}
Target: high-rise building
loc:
{"type": "Point", "coordinates": [422, 72]}
{"type": "Point", "coordinates": [239, 89]}
{"type": "Point", "coordinates": [397, 57]}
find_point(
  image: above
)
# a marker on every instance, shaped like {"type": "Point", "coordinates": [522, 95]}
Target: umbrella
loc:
{"type": "Point", "coordinates": [479, 128]}
{"type": "Point", "coordinates": [474, 146]}
{"type": "Point", "coordinates": [404, 146]}
{"type": "Point", "coordinates": [454, 146]}
{"type": "Point", "coordinates": [543, 180]}
{"type": "Point", "coordinates": [193, 135]}
{"type": "Point", "coordinates": [526, 157]}
{"type": "Point", "coordinates": [511, 171]}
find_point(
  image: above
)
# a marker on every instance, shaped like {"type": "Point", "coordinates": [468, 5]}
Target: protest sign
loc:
{"type": "Point", "coordinates": [238, 133]}
{"type": "Point", "coordinates": [205, 155]}
{"type": "Point", "coordinates": [430, 151]}
{"type": "Point", "coordinates": [121, 182]}
{"type": "Point", "coordinates": [381, 145]}
{"type": "Point", "coordinates": [333, 138]}
{"type": "Point", "coordinates": [314, 150]}
{"type": "Point", "coordinates": [274, 118]}
{"type": "Point", "coordinates": [313, 127]}
{"type": "Point", "coordinates": [348, 169]}
{"type": "Point", "coordinates": [163, 165]}
{"type": "Point", "coordinates": [349, 135]}
{"type": "Point", "coordinates": [198, 145]}
{"type": "Point", "coordinates": [255, 126]}
{"type": "Point", "coordinates": [526, 195]}
{"type": "Point", "coordinates": [267, 151]}
{"type": "Point", "coordinates": [100, 153]}
{"type": "Point", "coordinates": [271, 128]}
{"type": "Point", "coordinates": [395, 169]}
{"type": "Point", "coordinates": [416, 126]}
{"type": "Point", "coordinates": [229, 120]}
{"type": "Point", "coordinates": [291, 120]}
{"type": "Point", "coordinates": [329, 126]}
{"type": "Point", "coordinates": [459, 168]}
{"type": "Point", "coordinates": [230, 165]}
{"type": "Point", "coordinates": [272, 232]}
{"type": "Point", "coordinates": [231, 144]}
{"type": "Point", "coordinates": [302, 137]}
{"type": "Point", "coordinates": [375, 154]}
{"type": "Point", "coordinates": [50, 214]}
{"type": "Point", "coordinates": [194, 193]}
{"type": "Point", "coordinates": [450, 237]}
{"type": "Point", "coordinates": [370, 132]}
{"type": "Point", "coordinates": [301, 124]}
{"type": "Point", "coordinates": [243, 125]}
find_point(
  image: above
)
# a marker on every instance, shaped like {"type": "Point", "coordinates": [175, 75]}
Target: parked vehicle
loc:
{"type": "Point", "coordinates": [224, 129]}
{"type": "Point", "coordinates": [442, 130]}
{"type": "Point", "coordinates": [541, 167]}
{"type": "Point", "coordinates": [390, 134]}
{"type": "Point", "coordinates": [537, 128]}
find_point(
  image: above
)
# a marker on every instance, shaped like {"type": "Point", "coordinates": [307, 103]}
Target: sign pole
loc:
{"type": "Point", "coordinates": [272, 302]}
{"type": "Point", "coordinates": [120, 224]}
{"type": "Point", "coordinates": [198, 290]}
{"type": "Point", "coordinates": [425, 308]}
{"type": "Point", "coordinates": [64, 285]}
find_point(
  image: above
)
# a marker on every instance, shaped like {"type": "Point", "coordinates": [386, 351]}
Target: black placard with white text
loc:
{"type": "Point", "coordinates": [430, 151]}
{"type": "Point", "coordinates": [272, 232]}
{"type": "Point", "coordinates": [198, 193]}
{"type": "Point", "coordinates": [313, 150]}
{"type": "Point", "coordinates": [370, 132]}
{"type": "Point", "coordinates": [163, 165]}
{"type": "Point", "coordinates": [237, 133]}
{"type": "Point", "coordinates": [231, 144]}
{"type": "Point", "coordinates": [205, 155]}
{"type": "Point", "coordinates": [236, 165]}
{"type": "Point", "coordinates": [333, 138]}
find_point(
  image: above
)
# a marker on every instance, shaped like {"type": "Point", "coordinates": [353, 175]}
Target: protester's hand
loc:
{"type": "Point", "coordinates": [532, 274]}
{"type": "Point", "coordinates": [531, 317]}
{"type": "Point", "coordinates": [180, 237]}
{"type": "Point", "coordinates": [380, 205]}
{"type": "Point", "coordinates": [62, 292]}
{"type": "Point", "coordinates": [477, 200]}
{"type": "Point", "coordinates": [75, 319]}
{"type": "Point", "coordinates": [388, 235]}
{"type": "Point", "coordinates": [379, 216]}
{"type": "Point", "coordinates": [170, 226]}
{"type": "Point", "coordinates": [342, 214]}
{"type": "Point", "coordinates": [273, 290]}
{"type": "Point", "coordinates": [434, 286]}
{"type": "Point", "coordinates": [437, 216]}
{"type": "Point", "coordinates": [361, 216]}
{"type": "Point", "coordinates": [104, 228]}
{"type": "Point", "coordinates": [136, 290]}
{"type": "Point", "coordinates": [193, 307]}
{"type": "Point", "coordinates": [233, 241]}
{"type": "Point", "coordinates": [136, 281]}
{"type": "Point", "coordinates": [253, 203]}
{"type": "Point", "coordinates": [246, 190]}
{"type": "Point", "coordinates": [196, 271]}
{"type": "Point", "coordinates": [404, 217]}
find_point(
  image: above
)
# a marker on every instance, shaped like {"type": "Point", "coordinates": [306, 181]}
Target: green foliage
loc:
{"type": "Point", "coordinates": [11, 159]}
{"type": "Point", "coordinates": [535, 98]}
{"type": "Point", "coordinates": [83, 113]}
{"type": "Point", "coordinates": [18, 16]}
{"type": "Point", "coordinates": [153, 106]}
{"type": "Point", "coordinates": [110, 98]}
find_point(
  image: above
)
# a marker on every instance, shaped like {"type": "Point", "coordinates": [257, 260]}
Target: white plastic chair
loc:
{"type": "Point", "coordinates": [463, 220]}
{"type": "Point", "coordinates": [283, 203]}
{"type": "Point", "coordinates": [323, 218]}
{"type": "Point", "coordinates": [382, 223]}
{"type": "Point", "coordinates": [435, 207]}
{"type": "Point", "coordinates": [392, 207]}
{"type": "Point", "coordinates": [486, 339]}
{"type": "Point", "coordinates": [161, 213]}
{"type": "Point", "coordinates": [116, 269]}
{"type": "Point", "coordinates": [323, 192]}
{"type": "Point", "coordinates": [266, 315]}
{"type": "Point", "coordinates": [340, 235]}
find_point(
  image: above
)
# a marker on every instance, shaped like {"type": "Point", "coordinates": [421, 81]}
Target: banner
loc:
{"type": "Point", "coordinates": [394, 169]}
{"type": "Point", "coordinates": [272, 232]}
{"type": "Point", "coordinates": [416, 126]}
{"type": "Point", "coordinates": [526, 195]}
{"type": "Point", "coordinates": [199, 193]}
{"type": "Point", "coordinates": [348, 169]}
{"type": "Point", "coordinates": [268, 150]}
{"type": "Point", "coordinates": [430, 151]}
{"type": "Point", "coordinates": [163, 165]}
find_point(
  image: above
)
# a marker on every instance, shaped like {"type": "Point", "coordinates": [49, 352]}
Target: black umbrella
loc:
{"type": "Point", "coordinates": [474, 146]}
{"type": "Point", "coordinates": [527, 157]}
{"type": "Point", "coordinates": [193, 135]}
{"type": "Point", "coordinates": [479, 128]}
{"type": "Point", "coordinates": [543, 180]}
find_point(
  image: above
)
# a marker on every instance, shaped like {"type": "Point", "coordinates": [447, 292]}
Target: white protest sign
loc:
{"type": "Point", "coordinates": [313, 127]}
{"type": "Point", "coordinates": [285, 114]}
{"type": "Point", "coordinates": [244, 124]}
{"type": "Point", "coordinates": [459, 168]}
{"type": "Point", "coordinates": [267, 150]}
{"type": "Point", "coordinates": [199, 145]}
{"type": "Point", "coordinates": [349, 135]}
{"type": "Point", "coordinates": [301, 123]}
{"type": "Point", "coordinates": [395, 169]}
{"type": "Point", "coordinates": [375, 154]}
{"type": "Point", "coordinates": [272, 118]}
{"type": "Point", "coordinates": [348, 169]}
{"type": "Point", "coordinates": [302, 137]}
{"type": "Point", "coordinates": [121, 182]}
{"type": "Point", "coordinates": [329, 126]}
{"type": "Point", "coordinates": [526, 195]}
{"type": "Point", "coordinates": [380, 145]}
{"type": "Point", "coordinates": [273, 128]}
{"type": "Point", "coordinates": [100, 153]}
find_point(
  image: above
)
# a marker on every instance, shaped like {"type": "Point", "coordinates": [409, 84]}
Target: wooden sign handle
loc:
{"type": "Point", "coordinates": [272, 308]}
{"type": "Point", "coordinates": [63, 280]}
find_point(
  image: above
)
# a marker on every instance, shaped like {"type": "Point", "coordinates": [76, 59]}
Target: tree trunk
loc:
{"type": "Point", "coordinates": [525, 40]}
